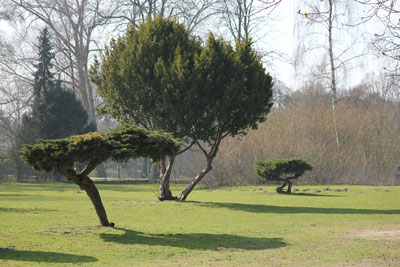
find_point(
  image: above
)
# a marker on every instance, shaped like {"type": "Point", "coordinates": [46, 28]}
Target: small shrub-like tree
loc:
{"type": "Point", "coordinates": [282, 170]}
{"type": "Point", "coordinates": [94, 148]}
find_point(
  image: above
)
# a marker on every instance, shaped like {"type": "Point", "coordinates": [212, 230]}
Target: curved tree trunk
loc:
{"type": "Point", "coordinates": [94, 195]}
{"type": "Point", "coordinates": [165, 177]}
{"type": "Point", "coordinates": [287, 183]}
{"type": "Point", "coordinates": [280, 190]}
{"type": "Point", "coordinates": [85, 183]}
{"type": "Point", "coordinates": [182, 196]}
{"type": "Point", "coordinates": [289, 189]}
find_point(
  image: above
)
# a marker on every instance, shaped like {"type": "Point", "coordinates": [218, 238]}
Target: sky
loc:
{"type": "Point", "coordinates": [280, 36]}
{"type": "Point", "coordinates": [286, 43]}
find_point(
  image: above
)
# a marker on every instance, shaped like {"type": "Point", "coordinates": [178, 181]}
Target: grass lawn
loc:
{"type": "Point", "coordinates": [232, 226]}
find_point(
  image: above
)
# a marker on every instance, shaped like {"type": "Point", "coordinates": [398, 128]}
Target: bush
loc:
{"type": "Point", "coordinates": [282, 170]}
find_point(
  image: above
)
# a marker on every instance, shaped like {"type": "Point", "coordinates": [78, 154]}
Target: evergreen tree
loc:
{"type": "Point", "coordinates": [159, 77]}
{"type": "Point", "coordinates": [55, 112]}
{"type": "Point", "coordinates": [44, 78]}
{"type": "Point", "coordinates": [94, 148]}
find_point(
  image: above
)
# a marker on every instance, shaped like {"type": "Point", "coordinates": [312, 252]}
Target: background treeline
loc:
{"type": "Point", "coordinates": [350, 134]}
{"type": "Point", "coordinates": [302, 126]}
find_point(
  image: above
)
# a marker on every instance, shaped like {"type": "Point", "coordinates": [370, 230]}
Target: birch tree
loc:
{"type": "Point", "coordinates": [324, 23]}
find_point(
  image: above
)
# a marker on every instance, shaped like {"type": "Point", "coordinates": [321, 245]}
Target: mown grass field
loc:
{"type": "Point", "coordinates": [233, 226]}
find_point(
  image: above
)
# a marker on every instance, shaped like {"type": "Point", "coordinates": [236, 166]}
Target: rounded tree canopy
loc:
{"type": "Point", "coordinates": [120, 145]}
{"type": "Point", "coordinates": [160, 77]}
{"type": "Point", "coordinates": [274, 170]}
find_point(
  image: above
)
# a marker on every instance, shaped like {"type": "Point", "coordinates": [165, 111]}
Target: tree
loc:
{"type": "Point", "coordinates": [93, 149]}
{"type": "Point", "coordinates": [73, 24]}
{"type": "Point", "coordinates": [279, 170]}
{"type": "Point", "coordinates": [55, 112]}
{"type": "Point", "coordinates": [327, 18]}
{"type": "Point", "coordinates": [44, 77]}
{"type": "Point", "coordinates": [160, 78]}
{"type": "Point", "coordinates": [237, 96]}
{"type": "Point", "coordinates": [192, 13]}
{"type": "Point", "coordinates": [386, 39]}
{"type": "Point", "coordinates": [151, 69]}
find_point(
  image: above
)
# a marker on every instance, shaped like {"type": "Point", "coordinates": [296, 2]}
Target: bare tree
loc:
{"type": "Point", "coordinates": [73, 23]}
{"type": "Point", "coordinates": [193, 13]}
{"type": "Point", "coordinates": [324, 21]}
{"type": "Point", "coordinates": [386, 40]}
{"type": "Point", "coordinates": [243, 18]}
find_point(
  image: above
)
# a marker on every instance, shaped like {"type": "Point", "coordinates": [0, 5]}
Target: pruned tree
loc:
{"type": "Point", "coordinates": [159, 77]}
{"type": "Point", "coordinates": [282, 170]}
{"type": "Point", "coordinates": [237, 96]}
{"type": "Point", "coordinates": [144, 78]}
{"type": "Point", "coordinates": [92, 149]}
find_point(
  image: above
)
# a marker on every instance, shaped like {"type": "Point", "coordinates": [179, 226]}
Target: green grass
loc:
{"type": "Point", "coordinates": [232, 226]}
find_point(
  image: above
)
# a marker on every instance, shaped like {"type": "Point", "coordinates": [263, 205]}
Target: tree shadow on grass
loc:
{"type": "Point", "coordinates": [311, 195]}
{"type": "Point", "coordinates": [20, 210]}
{"type": "Point", "coordinates": [259, 208]}
{"type": "Point", "coordinates": [41, 256]}
{"type": "Point", "coordinates": [195, 241]}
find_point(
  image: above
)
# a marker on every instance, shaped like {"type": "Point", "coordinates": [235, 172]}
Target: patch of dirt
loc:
{"type": "Point", "coordinates": [378, 234]}
{"type": "Point", "coordinates": [370, 263]}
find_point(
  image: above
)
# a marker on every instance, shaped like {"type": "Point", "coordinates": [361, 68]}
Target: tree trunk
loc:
{"type": "Point", "coordinates": [279, 189]}
{"type": "Point", "coordinates": [144, 168]}
{"type": "Point", "coordinates": [333, 73]}
{"type": "Point", "coordinates": [156, 173]}
{"type": "Point", "coordinates": [94, 195]}
{"type": "Point", "coordinates": [165, 177]}
{"type": "Point", "coordinates": [288, 183]}
{"type": "Point", "coordinates": [289, 189]}
{"type": "Point", "coordinates": [182, 196]}
{"type": "Point", "coordinates": [85, 183]}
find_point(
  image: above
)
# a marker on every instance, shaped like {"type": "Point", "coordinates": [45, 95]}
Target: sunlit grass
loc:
{"type": "Point", "coordinates": [56, 224]}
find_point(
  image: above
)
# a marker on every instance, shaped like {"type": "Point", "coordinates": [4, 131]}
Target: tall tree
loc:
{"type": "Point", "coordinates": [386, 39]}
{"type": "Point", "coordinates": [44, 77]}
{"type": "Point", "coordinates": [73, 24]}
{"type": "Point", "coordinates": [237, 95]}
{"type": "Point", "coordinates": [55, 112]}
{"type": "Point", "coordinates": [192, 13]}
{"type": "Point", "coordinates": [160, 78]}
{"type": "Point", "coordinates": [151, 68]}
{"type": "Point", "coordinates": [324, 21]}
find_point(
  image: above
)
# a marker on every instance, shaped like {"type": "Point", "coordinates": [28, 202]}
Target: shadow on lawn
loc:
{"type": "Point", "coordinates": [311, 195]}
{"type": "Point", "coordinates": [20, 210]}
{"type": "Point", "coordinates": [259, 208]}
{"type": "Point", "coordinates": [194, 241]}
{"type": "Point", "coordinates": [41, 256]}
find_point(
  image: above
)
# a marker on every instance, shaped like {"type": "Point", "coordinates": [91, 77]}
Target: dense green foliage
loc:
{"type": "Point", "coordinates": [55, 112]}
{"type": "Point", "coordinates": [121, 144]}
{"type": "Point", "coordinates": [147, 75]}
{"type": "Point", "coordinates": [44, 77]}
{"type": "Point", "coordinates": [159, 77]}
{"type": "Point", "coordinates": [274, 170]}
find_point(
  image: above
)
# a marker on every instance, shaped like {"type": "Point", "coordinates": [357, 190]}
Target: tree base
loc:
{"type": "Point", "coordinates": [170, 197]}
{"type": "Point", "coordinates": [287, 183]}
{"type": "Point", "coordinates": [111, 224]}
